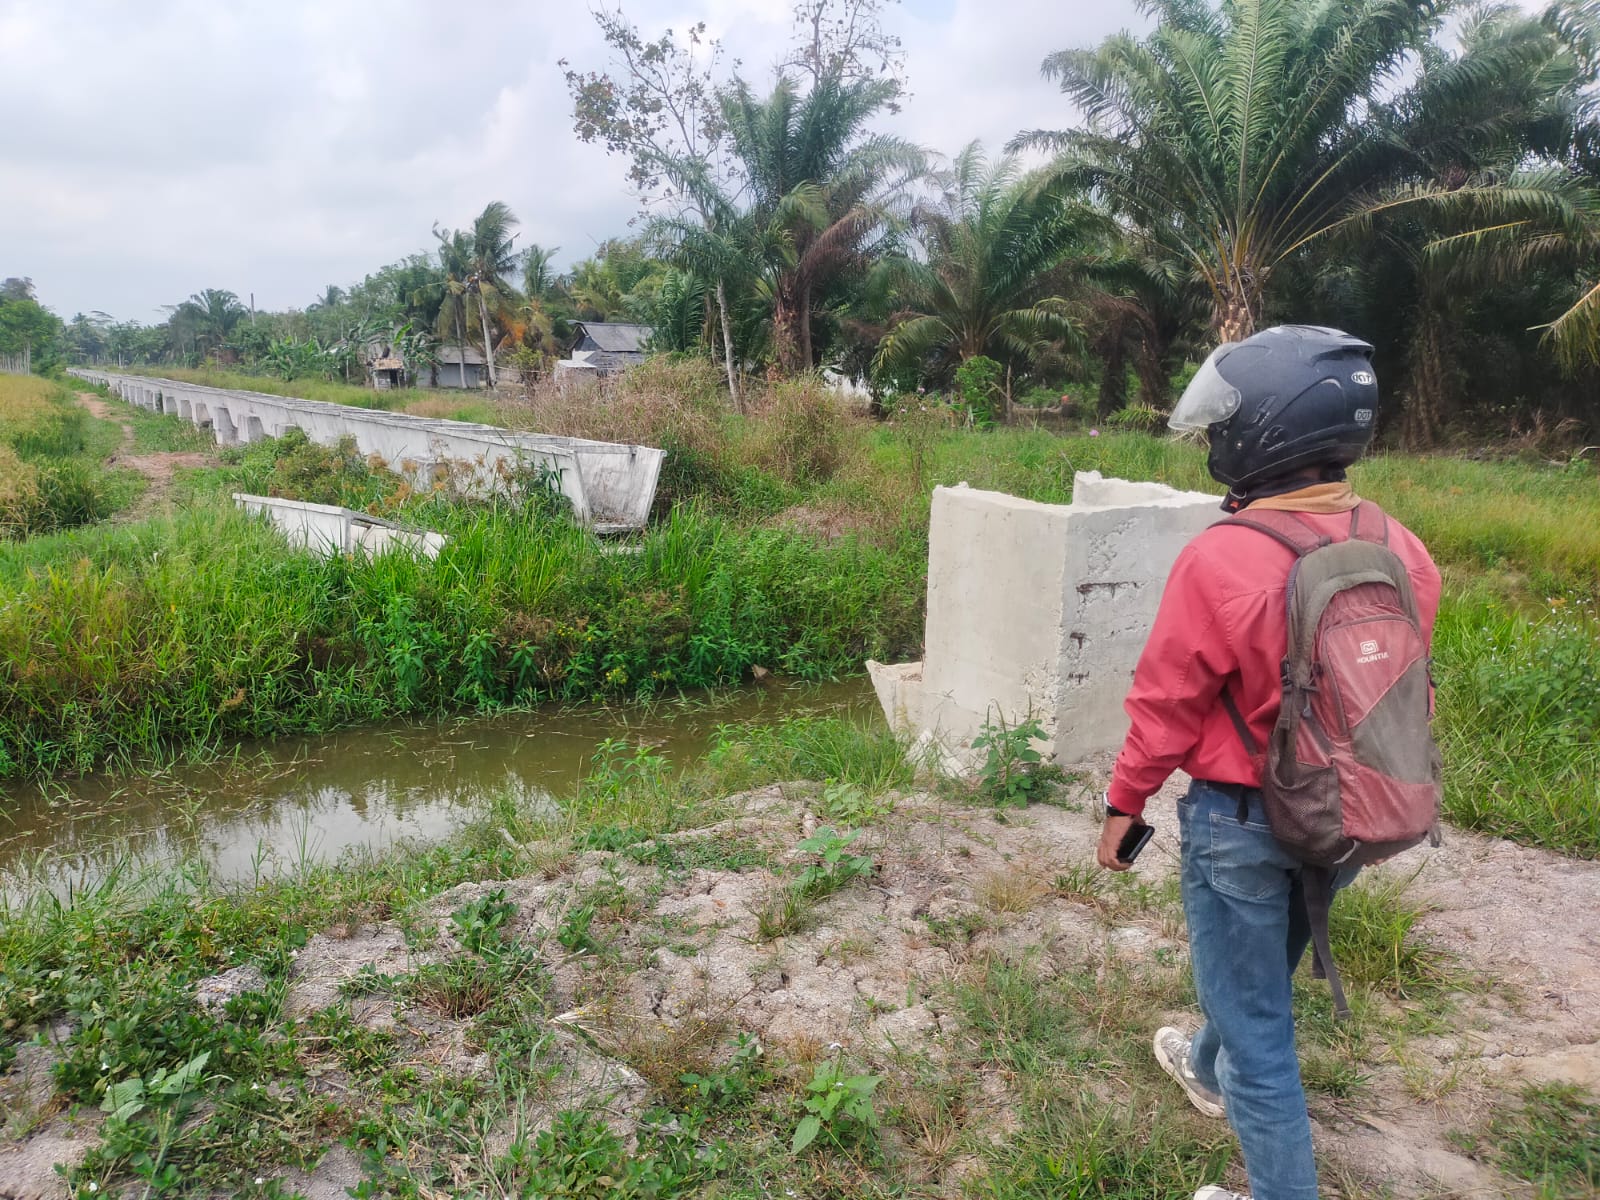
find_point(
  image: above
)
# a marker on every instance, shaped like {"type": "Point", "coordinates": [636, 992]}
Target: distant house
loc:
{"type": "Point", "coordinates": [456, 371]}
{"type": "Point", "coordinates": [387, 373]}
{"type": "Point", "coordinates": [605, 348]}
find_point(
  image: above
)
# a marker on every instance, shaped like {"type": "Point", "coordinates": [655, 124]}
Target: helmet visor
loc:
{"type": "Point", "coordinates": [1209, 398]}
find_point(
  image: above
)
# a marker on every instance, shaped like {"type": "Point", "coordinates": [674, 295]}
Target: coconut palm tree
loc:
{"type": "Point", "coordinates": [450, 289]}
{"type": "Point", "coordinates": [491, 260]}
{"type": "Point", "coordinates": [984, 286]}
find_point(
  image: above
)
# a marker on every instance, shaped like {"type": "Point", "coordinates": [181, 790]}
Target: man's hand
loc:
{"type": "Point", "coordinates": [1111, 835]}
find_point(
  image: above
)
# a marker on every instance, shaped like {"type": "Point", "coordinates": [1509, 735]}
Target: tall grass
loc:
{"type": "Point", "coordinates": [205, 627]}
{"type": "Point", "coordinates": [1519, 720]}
{"type": "Point", "coordinates": [50, 451]}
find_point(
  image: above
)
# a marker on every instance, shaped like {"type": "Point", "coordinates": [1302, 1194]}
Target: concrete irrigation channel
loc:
{"type": "Point", "coordinates": [611, 486]}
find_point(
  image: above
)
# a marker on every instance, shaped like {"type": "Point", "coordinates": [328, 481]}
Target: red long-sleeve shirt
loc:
{"type": "Point", "coordinates": [1223, 621]}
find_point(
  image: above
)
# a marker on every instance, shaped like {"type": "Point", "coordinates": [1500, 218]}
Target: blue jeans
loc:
{"type": "Point", "coordinates": [1247, 933]}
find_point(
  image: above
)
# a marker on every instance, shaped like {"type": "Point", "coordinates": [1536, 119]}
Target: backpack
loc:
{"type": "Point", "coordinates": [1351, 774]}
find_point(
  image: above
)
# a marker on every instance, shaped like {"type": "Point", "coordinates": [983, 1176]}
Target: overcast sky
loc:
{"type": "Point", "coordinates": [152, 149]}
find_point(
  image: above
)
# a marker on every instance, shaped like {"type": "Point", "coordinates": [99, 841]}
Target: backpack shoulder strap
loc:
{"type": "Point", "coordinates": [1369, 523]}
{"type": "Point", "coordinates": [1284, 528]}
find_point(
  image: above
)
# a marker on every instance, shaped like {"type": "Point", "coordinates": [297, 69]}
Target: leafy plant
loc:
{"type": "Point", "coordinates": [837, 868]}
{"type": "Point", "coordinates": [978, 386]}
{"type": "Point", "coordinates": [735, 1080]}
{"type": "Point", "coordinates": [481, 924]}
{"type": "Point", "coordinates": [1144, 418]}
{"type": "Point", "coordinates": [838, 1106]}
{"type": "Point", "coordinates": [850, 803]}
{"type": "Point", "coordinates": [126, 1098]}
{"type": "Point", "coordinates": [573, 932]}
{"type": "Point", "coordinates": [1010, 775]}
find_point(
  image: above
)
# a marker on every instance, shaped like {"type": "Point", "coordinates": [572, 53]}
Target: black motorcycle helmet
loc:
{"type": "Point", "coordinates": [1282, 400]}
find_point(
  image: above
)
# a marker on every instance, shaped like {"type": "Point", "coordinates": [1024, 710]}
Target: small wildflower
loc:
{"type": "Point", "coordinates": [93, 1186]}
{"type": "Point", "coordinates": [1094, 433]}
{"type": "Point", "coordinates": [260, 1180]}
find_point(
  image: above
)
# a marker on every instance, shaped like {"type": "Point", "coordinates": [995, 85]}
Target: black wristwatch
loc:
{"type": "Point", "coordinates": [1112, 811]}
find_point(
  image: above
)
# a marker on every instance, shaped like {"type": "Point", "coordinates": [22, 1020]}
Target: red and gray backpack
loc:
{"type": "Point", "coordinates": [1351, 774]}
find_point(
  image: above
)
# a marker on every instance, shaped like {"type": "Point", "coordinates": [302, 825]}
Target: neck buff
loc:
{"type": "Point", "coordinates": [1332, 495]}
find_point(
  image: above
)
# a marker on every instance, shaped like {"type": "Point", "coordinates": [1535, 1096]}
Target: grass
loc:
{"type": "Point", "coordinates": [1519, 720]}
{"type": "Point", "coordinates": [50, 455]}
{"type": "Point", "coordinates": [204, 628]}
{"type": "Point", "coordinates": [1550, 1139]}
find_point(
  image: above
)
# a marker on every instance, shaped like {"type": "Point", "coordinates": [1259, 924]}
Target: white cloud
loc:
{"type": "Point", "coordinates": [274, 146]}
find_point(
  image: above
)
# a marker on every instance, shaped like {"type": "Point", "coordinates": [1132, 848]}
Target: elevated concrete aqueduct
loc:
{"type": "Point", "coordinates": [611, 486]}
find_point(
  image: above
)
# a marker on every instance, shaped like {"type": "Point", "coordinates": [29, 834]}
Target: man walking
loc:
{"type": "Point", "coordinates": [1286, 411]}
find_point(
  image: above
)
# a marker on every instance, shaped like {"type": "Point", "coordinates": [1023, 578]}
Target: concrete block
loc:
{"type": "Point", "coordinates": [327, 529]}
{"type": "Point", "coordinates": [1039, 610]}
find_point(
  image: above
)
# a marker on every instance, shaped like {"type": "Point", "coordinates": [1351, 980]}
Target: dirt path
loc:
{"type": "Point", "coordinates": [157, 468]}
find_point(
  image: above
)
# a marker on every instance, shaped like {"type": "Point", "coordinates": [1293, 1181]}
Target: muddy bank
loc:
{"type": "Point", "coordinates": [652, 960]}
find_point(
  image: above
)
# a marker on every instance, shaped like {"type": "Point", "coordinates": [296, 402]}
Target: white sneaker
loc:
{"type": "Point", "coordinates": [1172, 1052]}
{"type": "Point", "coordinates": [1212, 1192]}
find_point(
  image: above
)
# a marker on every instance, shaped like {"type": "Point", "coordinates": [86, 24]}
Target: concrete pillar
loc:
{"type": "Point", "coordinates": [1039, 609]}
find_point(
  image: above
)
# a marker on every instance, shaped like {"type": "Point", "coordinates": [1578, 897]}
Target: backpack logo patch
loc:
{"type": "Point", "coordinates": [1371, 653]}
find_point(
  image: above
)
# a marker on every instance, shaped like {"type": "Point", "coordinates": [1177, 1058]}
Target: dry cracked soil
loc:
{"type": "Point", "coordinates": [954, 886]}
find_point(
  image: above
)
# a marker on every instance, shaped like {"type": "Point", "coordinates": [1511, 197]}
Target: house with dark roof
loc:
{"type": "Point", "coordinates": [605, 348]}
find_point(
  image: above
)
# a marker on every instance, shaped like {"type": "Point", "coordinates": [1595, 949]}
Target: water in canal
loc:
{"type": "Point", "coordinates": [296, 800]}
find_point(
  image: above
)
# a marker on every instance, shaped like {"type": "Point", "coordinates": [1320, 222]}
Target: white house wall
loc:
{"type": "Point", "coordinates": [611, 486]}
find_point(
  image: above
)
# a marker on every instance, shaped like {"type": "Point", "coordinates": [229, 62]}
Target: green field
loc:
{"type": "Point", "coordinates": [793, 539]}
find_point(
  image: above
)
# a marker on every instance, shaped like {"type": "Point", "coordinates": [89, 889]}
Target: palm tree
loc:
{"type": "Point", "coordinates": [332, 296]}
{"type": "Point", "coordinates": [984, 287]}
{"type": "Point", "coordinates": [824, 192]}
{"type": "Point", "coordinates": [1234, 137]}
{"type": "Point", "coordinates": [451, 289]}
{"type": "Point", "coordinates": [207, 319]}
{"type": "Point", "coordinates": [492, 259]}
{"type": "Point", "coordinates": [539, 278]}
{"type": "Point", "coordinates": [1495, 125]}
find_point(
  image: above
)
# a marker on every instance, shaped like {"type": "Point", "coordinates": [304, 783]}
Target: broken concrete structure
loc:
{"type": "Point", "coordinates": [326, 529]}
{"type": "Point", "coordinates": [611, 486]}
{"type": "Point", "coordinates": [1039, 610]}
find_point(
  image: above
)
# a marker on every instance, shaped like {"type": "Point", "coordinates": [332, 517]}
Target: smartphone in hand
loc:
{"type": "Point", "coordinates": [1135, 840]}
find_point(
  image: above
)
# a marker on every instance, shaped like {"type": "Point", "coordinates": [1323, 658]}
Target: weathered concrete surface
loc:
{"type": "Point", "coordinates": [1039, 609]}
{"type": "Point", "coordinates": [611, 486]}
{"type": "Point", "coordinates": [327, 529]}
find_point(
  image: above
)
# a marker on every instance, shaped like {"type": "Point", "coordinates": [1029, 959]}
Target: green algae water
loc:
{"type": "Point", "coordinates": [271, 808]}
